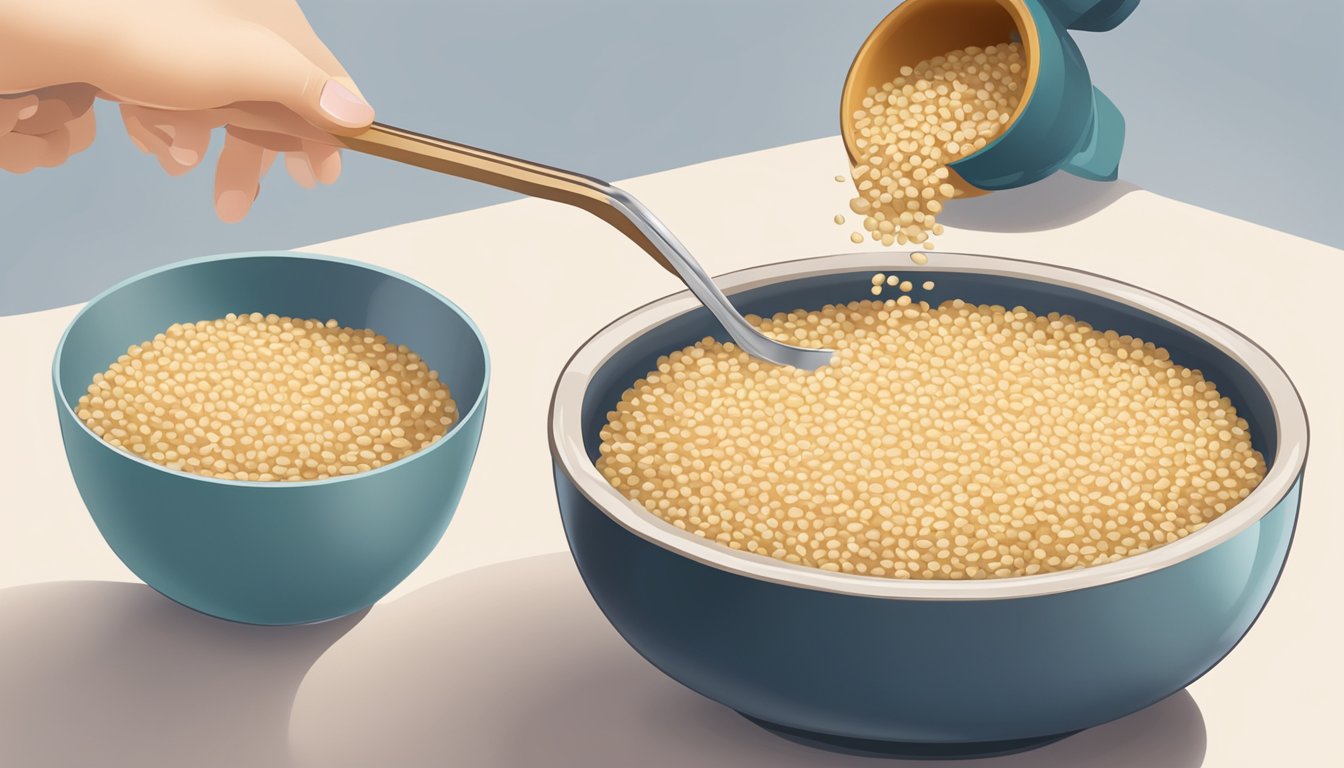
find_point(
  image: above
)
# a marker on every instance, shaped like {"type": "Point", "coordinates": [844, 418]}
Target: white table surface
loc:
{"type": "Point", "coordinates": [512, 665]}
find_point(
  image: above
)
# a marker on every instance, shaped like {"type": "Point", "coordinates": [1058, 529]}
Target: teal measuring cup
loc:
{"type": "Point", "coordinates": [1062, 123]}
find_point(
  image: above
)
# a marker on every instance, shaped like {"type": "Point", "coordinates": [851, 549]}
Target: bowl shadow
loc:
{"type": "Point", "coordinates": [112, 674]}
{"type": "Point", "coordinates": [1055, 201]}
{"type": "Point", "coordinates": [513, 665]}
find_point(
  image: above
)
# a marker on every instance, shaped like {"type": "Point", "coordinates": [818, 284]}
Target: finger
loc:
{"type": "Point", "coordinates": [57, 106]}
{"type": "Point", "coordinates": [159, 132]}
{"type": "Point", "coordinates": [21, 153]}
{"type": "Point", "coordinates": [299, 169]}
{"type": "Point", "coordinates": [325, 160]}
{"type": "Point", "coordinates": [308, 162]}
{"type": "Point", "coordinates": [65, 142]}
{"type": "Point", "coordinates": [182, 135]}
{"type": "Point", "coordinates": [150, 140]}
{"type": "Point", "coordinates": [191, 138]}
{"type": "Point", "coordinates": [238, 176]}
{"type": "Point", "coordinates": [275, 141]}
{"type": "Point", "coordinates": [304, 38]}
{"type": "Point", "coordinates": [56, 147]}
{"type": "Point", "coordinates": [281, 73]}
{"type": "Point", "coordinates": [272, 118]}
{"type": "Point", "coordinates": [136, 134]}
{"type": "Point", "coordinates": [82, 131]}
{"type": "Point", "coordinates": [311, 46]}
{"type": "Point", "coordinates": [267, 157]}
{"type": "Point", "coordinates": [16, 108]}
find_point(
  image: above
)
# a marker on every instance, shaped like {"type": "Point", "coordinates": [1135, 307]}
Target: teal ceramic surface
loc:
{"type": "Point", "coordinates": [1067, 123]}
{"type": "Point", "coordinates": [928, 668]}
{"type": "Point", "coordinates": [273, 553]}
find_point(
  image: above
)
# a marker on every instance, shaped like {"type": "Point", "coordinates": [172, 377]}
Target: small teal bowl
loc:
{"type": "Point", "coordinates": [273, 553]}
{"type": "Point", "coordinates": [933, 669]}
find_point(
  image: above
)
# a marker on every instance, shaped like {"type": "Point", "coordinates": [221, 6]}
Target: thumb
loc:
{"type": "Point", "coordinates": [340, 103]}
{"type": "Point", "coordinates": [326, 97]}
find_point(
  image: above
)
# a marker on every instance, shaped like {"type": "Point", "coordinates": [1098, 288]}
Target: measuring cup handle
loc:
{"type": "Point", "coordinates": [1098, 158]}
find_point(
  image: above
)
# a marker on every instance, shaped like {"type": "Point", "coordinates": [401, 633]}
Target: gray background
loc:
{"type": "Point", "coordinates": [1233, 106]}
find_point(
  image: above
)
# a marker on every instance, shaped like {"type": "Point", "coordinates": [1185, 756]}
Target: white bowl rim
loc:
{"type": "Point", "coordinates": [567, 448]}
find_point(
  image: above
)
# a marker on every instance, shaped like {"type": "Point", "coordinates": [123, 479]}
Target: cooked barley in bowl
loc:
{"type": "Point", "coordinates": [960, 441]}
{"type": "Point", "coordinates": [263, 397]}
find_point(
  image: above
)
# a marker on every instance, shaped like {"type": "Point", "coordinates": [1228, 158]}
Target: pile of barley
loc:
{"type": "Point", "coordinates": [263, 397]}
{"type": "Point", "coordinates": [911, 128]}
{"type": "Point", "coordinates": [954, 442]}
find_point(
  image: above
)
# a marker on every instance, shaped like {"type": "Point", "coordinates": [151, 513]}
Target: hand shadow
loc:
{"type": "Point", "coordinates": [513, 665]}
{"type": "Point", "coordinates": [112, 674]}
{"type": "Point", "coordinates": [1055, 201]}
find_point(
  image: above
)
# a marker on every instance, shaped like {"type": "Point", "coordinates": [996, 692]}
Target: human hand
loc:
{"type": "Point", "coordinates": [44, 129]}
{"type": "Point", "coordinates": [181, 68]}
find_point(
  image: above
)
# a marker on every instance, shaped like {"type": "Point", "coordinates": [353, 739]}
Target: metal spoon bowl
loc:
{"type": "Point", "coordinates": [609, 203]}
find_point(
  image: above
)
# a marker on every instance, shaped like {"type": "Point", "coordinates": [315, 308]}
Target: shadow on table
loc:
{"type": "Point", "coordinates": [513, 665]}
{"type": "Point", "coordinates": [113, 674]}
{"type": "Point", "coordinates": [1053, 202]}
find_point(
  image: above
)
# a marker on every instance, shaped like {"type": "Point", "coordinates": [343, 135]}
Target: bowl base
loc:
{"type": "Point", "coordinates": [909, 750]}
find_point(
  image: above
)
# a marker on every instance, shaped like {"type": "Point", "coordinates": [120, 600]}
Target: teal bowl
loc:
{"type": "Point", "coordinates": [273, 553]}
{"type": "Point", "coordinates": [928, 669]}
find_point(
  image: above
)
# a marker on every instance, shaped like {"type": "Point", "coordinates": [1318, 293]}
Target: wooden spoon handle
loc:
{"type": "Point", "coordinates": [511, 173]}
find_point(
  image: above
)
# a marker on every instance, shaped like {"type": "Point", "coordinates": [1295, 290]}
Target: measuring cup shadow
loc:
{"type": "Point", "coordinates": [1053, 202]}
{"type": "Point", "coordinates": [513, 665]}
{"type": "Point", "coordinates": [113, 674]}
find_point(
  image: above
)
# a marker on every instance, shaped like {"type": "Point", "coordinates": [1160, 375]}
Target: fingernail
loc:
{"type": "Point", "coordinates": [183, 156]}
{"type": "Point", "coordinates": [343, 106]}
{"type": "Point", "coordinates": [232, 204]}
{"type": "Point", "coordinates": [27, 112]}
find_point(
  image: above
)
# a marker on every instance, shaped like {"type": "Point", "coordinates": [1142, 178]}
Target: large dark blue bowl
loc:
{"type": "Point", "coordinates": [278, 552]}
{"type": "Point", "coordinates": [928, 668]}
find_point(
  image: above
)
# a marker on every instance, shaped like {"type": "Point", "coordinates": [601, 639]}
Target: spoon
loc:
{"type": "Point", "coordinates": [615, 206]}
